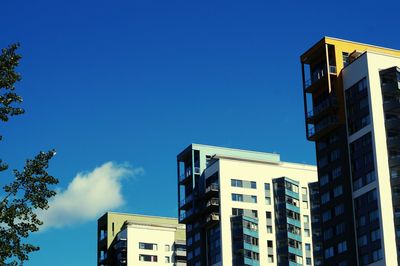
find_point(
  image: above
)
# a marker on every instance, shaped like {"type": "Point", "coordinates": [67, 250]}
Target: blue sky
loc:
{"type": "Point", "coordinates": [135, 82]}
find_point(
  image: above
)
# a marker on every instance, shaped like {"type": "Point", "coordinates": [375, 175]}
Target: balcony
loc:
{"type": "Point", "coordinates": [212, 190]}
{"type": "Point", "coordinates": [392, 106]}
{"type": "Point", "coordinates": [322, 128]}
{"type": "Point", "coordinates": [212, 205]}
{"type": "Point", "coordinates": [322, 109]}
{"type": "Point", "coordinates": [185, 177]}
{"type": "Point", "coordinates": [318, 77]}
{"type": "Point", "coordinates": [212, 219]}
{"type": "Point", "coordinates": [185, 216]}
{"type": "Point", "coordinates": [391, 88]}
{"type": "Point", "coordinates": [186, 202]}
{"type": "Point", "coordinates": [392, 123]}
{"type": "Point", "coordinates": [393, 142]}
{"type": "Point", "coordinates": [394, 161]}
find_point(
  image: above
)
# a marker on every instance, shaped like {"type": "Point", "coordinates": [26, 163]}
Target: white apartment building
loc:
{"type": "Point", "coordinates": [244, 207]}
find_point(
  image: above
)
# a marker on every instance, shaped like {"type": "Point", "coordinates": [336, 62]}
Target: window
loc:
{"type": "Point", "coordinates": [335, 155]}
{"type": "Point", "coordinates": [336, 172]}
{"type": "Point", "coordinates": [166, 248]}
{"type": "Point", "coordinates": [375, 235]}
{"type": "Point", "coordinates": [325, 197]}
{"type": "Point", "coordinates": [304, 191]}
{"type": "Point", "coordinates": [377, 255]}
{"type": "Point", "coordinates": [361, 221]}
{"type": "Point", "coordinates": [237, 212]}
{"type": "Point", "coordinates": [326, 215]}
{"type": "Point", "coordinates": [308, 261]}
{"type": "Point", "coordinates": [150, 258]}
{"type": "Point", "coordinates": [322, 162]}
{"type": "Point", "coordinates": [342, 247]}
{"type": "Point", "coordinates": [324, 180]}
{"type": "Point", "coordinates": [267, 186]}
{"type": "Point", "coordinates": [357, 106]}
{"type": "Point", "coordinates": [167, 260]}
{"type": "Point", "coordinates": [237, 197]}
{"type": "Point", "coordinates": [337, 191]}
{"type": "Point", "coordinates": [254, 199]}
{"type": "Point", "coordinates": [328, 233]}
{"type": "Point", "coordinates": [308, 246]}
{"type": "Point", "coordinates": [236, 183]}
{"type": "Point", "coordinates": [329, 252]}
{"type": "Point", "coordinates": [345, 59]}
{"type": "Point", "coordinates": [196, 237]}
{"type": "Point", "coordinates": [253, 184]}
{"type": "Point", "coordinates": [339, 209]}
{"type": "Point", "coordinates": [306, 219]}
{"type": "Point", "coordinates": [268, 200]}
{"type": "Point", "coordinates": [269, 229]}
{"type": "Point", "coordinates": [373, 215]}
{"type": "Point", "coordinates": [270, 258]}
{"type": "Point", "coordinates": [340, 228]}
{"type": "Point", "coordinates": [197, 251]}
{"type": "Point", "coordinates": [148, 246]}
{"type": "Point", "coordinates": [306, 232]}
{"type": "Point", "coordinates": [254, 213]}
{"type": "Point", "coordinates": [362, 241]}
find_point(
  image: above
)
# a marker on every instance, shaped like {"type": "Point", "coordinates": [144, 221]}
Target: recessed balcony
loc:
{"type": "Point", "coordinates": [185, 177]}
{"type": "Point", "coordinates": [322, 128]}
{"type": "Point", "coordinates": [212, 205]}
{"type": "Point", "coordinates": [393, 143]}
{"type": "Point", "coordinates": [186, 203]}
{"type": "Point", "coordinates": [212, 218]}
{"type": "Point", "coordinates": [394, 161]}
{"type": "Point", "coordinates": [391, 88]}
{"type": "Point", "coordinates": [392, 106]}
{"type": "Point", "coordinates": [317, 78]}
{"type": "Point", "coordinates": [211, 190]}
{"type": "Point", "coordinates": [322, 109]}
{"type": "Point", "coordinates": [392, 123]}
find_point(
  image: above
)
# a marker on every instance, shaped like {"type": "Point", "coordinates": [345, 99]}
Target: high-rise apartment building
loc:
{"type": "Point", "coordinates": [352, 112]}
{"type": "Point", "coordinates": [131, 240]}
{"type": "Point", "coordinates": [244, 207]}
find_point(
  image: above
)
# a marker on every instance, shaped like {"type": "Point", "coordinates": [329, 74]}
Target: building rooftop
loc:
{"type": "Point", "coordinates": [240, 154]}
{"type": "Point", "coordinates": [233, 153]}
{"type": "Point", "coordinates": [356, 45]}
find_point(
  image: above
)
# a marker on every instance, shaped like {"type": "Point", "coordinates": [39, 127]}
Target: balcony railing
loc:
{"type": "Point", "coordinates": [212, 202]}
{"type": "Point", "coordinates": [212, 187]}
{"type": "Point", "coordinates": [197, 170]}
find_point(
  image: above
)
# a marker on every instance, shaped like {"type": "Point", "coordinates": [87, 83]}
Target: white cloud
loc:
{"type": "Point", "coordinates": [89, 195]}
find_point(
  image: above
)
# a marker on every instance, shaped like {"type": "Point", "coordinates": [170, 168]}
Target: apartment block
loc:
{"type": "Point", "coordinates": [244, 207]}
{"type": "Point", "coordinates": [131, 240]}
{"type": "Point", "coordinates": [352, 113]}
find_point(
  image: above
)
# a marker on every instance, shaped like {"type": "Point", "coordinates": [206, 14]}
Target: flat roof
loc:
{"type": "Point", "coordinates": [233, 153]}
